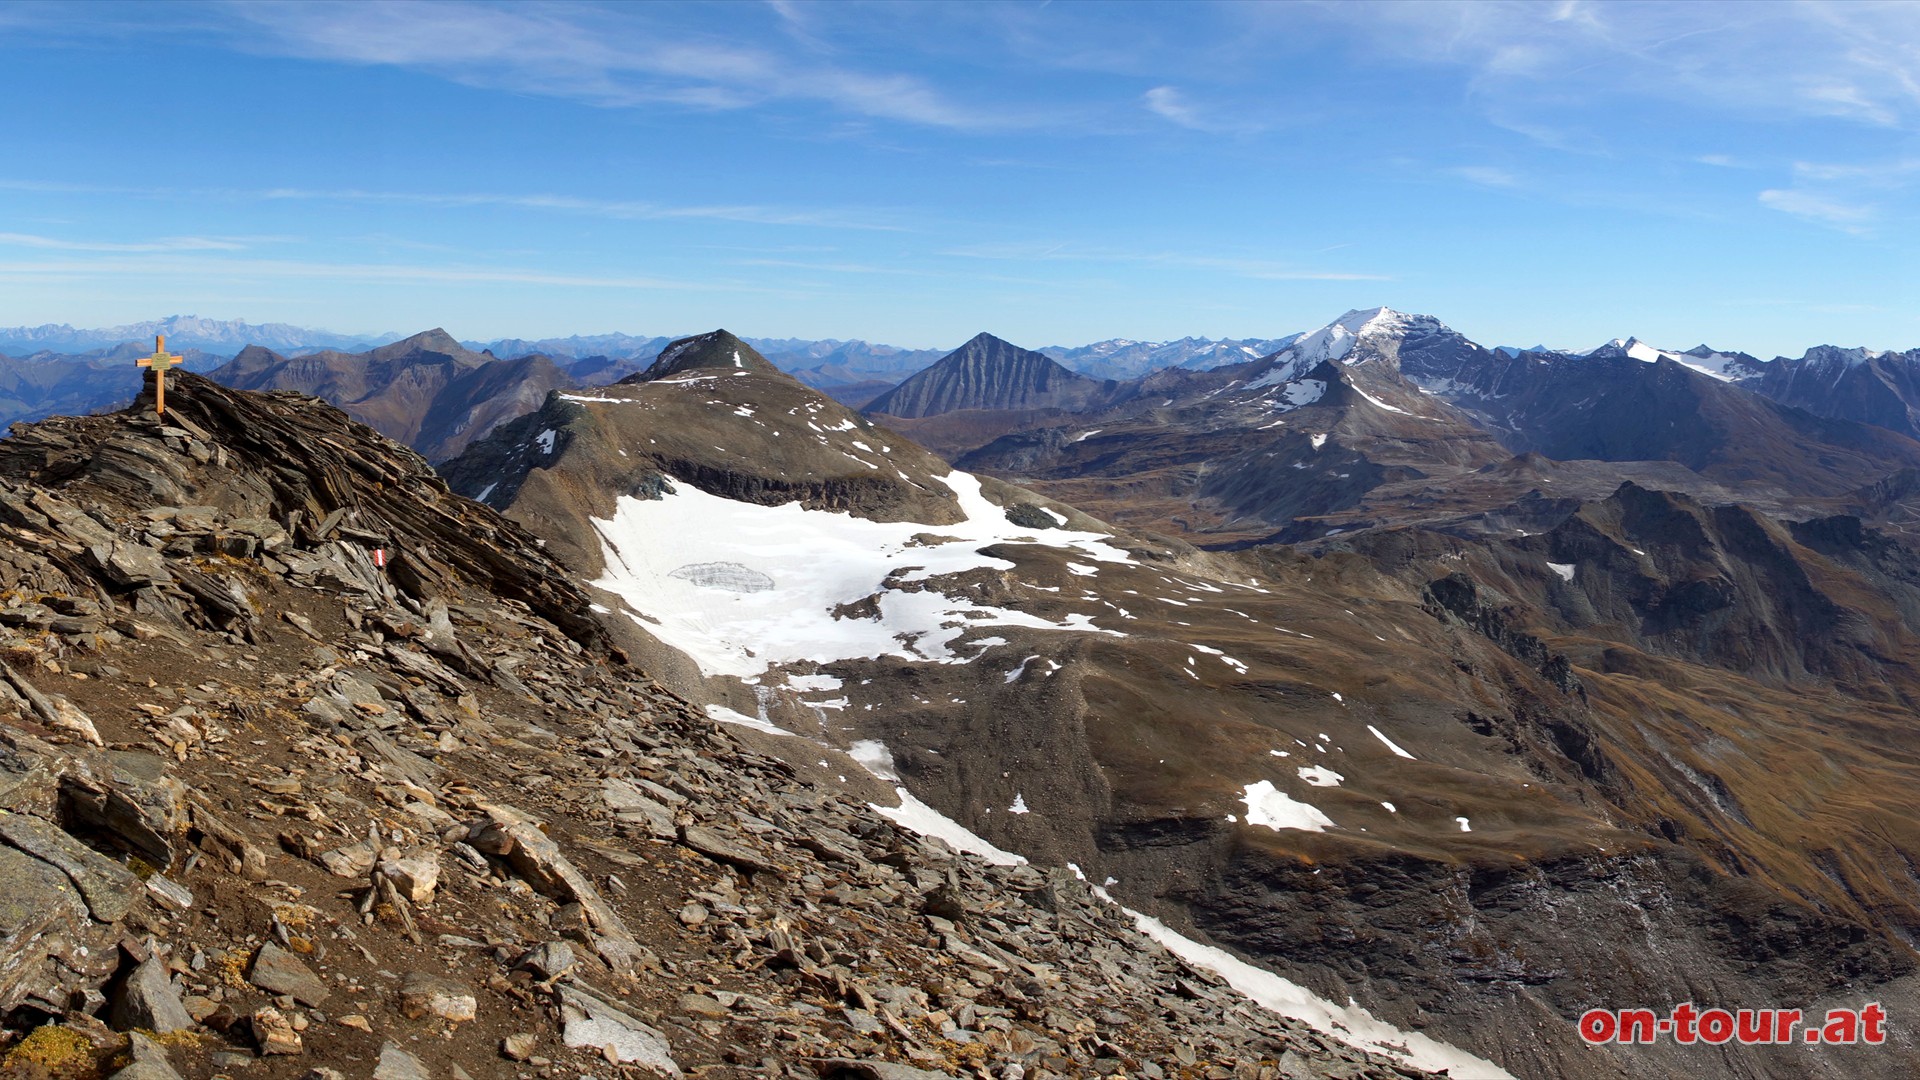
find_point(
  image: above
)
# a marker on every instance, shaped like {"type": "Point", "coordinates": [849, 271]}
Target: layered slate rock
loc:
{"type": "Point", "coordinates": [261, 475]}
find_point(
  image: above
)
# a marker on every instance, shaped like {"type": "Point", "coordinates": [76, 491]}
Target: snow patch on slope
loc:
{"type": "Point", "coordinates": [815, 562]}
{"type": "Point", "coordinates": [918, 817]}
{"type": "Point", "coordinates": [1727, 367]}
{"type": "Point", "coordinates": [1350, 1024]}
{"type": "Point", "coordinates": [740, 719]}
{"type": "Point", "coordinates": [1391, 745]}
{"type": "Point", "coordinates": [1376, 402]}
{"type": "Point", "coordinates": [1269, 806]}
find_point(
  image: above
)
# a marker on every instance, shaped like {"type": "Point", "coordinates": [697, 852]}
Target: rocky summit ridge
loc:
{"type": "Point", "coordinates": [312, 768]}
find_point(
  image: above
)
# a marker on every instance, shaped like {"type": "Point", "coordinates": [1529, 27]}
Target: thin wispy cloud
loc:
{"type": "Point", "coordinates": [1258, 269]}
{"type": "Point", "coordinates": [1492, 176]}
{"type": "Point", "coordinates": [619, 209]}
{"type": "Point", "coordinates": [384, 273]}
{"type": "Point", "coordinates": [1843, 195]}
{"type": "Point", "coordinates": [1851, 61]}
{"type": "Point", "coordinates": [1847, 217]}
{"type": "Point", "coordinates": [1167, 103]}
{"type": "Point", "coordinates": [1567, 140]}
{"type": "Point", "coordinates": [611, 56]}
{"type": "Point", "coordinates": [171, 243]}
{"type": "Point", "coordinates": [615, 209]}
{"type": "Point", "coordinates": [829, 267]}
{"type": "Point", "coordinates": [1870, 173]}
{"type": "Point", "coordinates": [1173, 105]}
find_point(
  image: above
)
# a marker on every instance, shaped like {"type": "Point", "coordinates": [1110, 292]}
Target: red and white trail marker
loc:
{"type": "Point", "coordinates": [379, 556]}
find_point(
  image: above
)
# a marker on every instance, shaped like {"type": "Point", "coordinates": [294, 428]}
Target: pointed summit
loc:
{"type": "Point", "coordinates": [434, 342]}
{"type": "Point", "coordinates": [717, 350]}
{"type": "Point", "coordinates": [987, 373]}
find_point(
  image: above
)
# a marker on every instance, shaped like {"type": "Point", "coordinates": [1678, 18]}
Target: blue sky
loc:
{"type": "Point", "coordinates": [1743, 174]}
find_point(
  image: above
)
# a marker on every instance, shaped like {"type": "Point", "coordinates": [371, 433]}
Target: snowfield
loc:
{"type": "Point", "coordinates": [741, 587]}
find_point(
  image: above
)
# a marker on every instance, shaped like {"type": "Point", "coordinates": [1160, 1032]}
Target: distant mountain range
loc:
{"type": "Point", "coordinates": [223, 337]}
{"type": "Point", "coordinates": [954, 402]}
{"type": "Point", "coordinates": [834, 364]}
{"type": "Point", "coordinates": [829, 361]}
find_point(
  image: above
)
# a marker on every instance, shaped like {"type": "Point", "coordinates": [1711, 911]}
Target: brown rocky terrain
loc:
{"type": "Point", "coordinates": [427, 391]}
{"type": "Point", "coordinates": [1570, 743]}
{"type": "Point", "coordinates": [1479, 740]}
{"type": "Point", "coordinates": [312, 768]}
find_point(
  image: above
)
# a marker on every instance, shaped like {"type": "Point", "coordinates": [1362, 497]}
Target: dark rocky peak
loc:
{"type": "Point", "coordinates": [1833, 356]}
{"type": "Point", "coordinates": [1704, 350]}
{"type": "Point", "coordinates": [997, 358]}
{"type": "Point", "coordinates": [986, 344]}
{"type": "Point", "coordinates": [256, 356]}
{"type": "Point", "coordinates": [1667, 517]}
{"type": "Point", "coordinates": [428, 345]}
{"type": "Point", "coordinates": [717, 350]}
{"type": "Point", "coordinates": [987, 373]}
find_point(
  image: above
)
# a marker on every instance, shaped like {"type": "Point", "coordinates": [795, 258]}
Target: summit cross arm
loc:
{"type": "Point", "coordinates": [160, 362]}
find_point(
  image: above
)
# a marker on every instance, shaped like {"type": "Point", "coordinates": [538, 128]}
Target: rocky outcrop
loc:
{"type": "Point", "coordinates": [716, 351]}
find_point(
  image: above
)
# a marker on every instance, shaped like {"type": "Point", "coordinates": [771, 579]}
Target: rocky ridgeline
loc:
{"type": "Point", "coordinates": [270, 808]}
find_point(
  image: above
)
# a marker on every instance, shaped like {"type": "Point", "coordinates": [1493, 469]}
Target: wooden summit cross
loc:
{"type": "Point", "coordinates": [160, 361]}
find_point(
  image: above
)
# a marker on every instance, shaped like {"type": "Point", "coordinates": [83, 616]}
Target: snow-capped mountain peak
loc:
{"type": "Point", "coordinates": [1336, 339]}
{"type": "Point", "coordinates": [1834, 356]}
{"type": "Point", "coordinates": [1727, 367]}
{"type": "Point", "coordinates": [1343, 341]}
